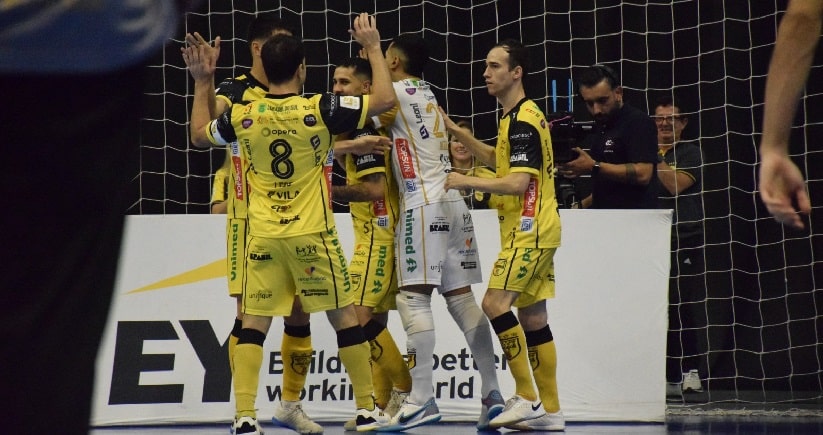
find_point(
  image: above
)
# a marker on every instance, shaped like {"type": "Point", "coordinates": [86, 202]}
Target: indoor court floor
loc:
{"type": "Point", "coordinates": [691, 425]}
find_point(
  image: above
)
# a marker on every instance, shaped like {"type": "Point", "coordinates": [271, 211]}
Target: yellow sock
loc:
{"type": "Point", "coordinates": [248, 358]}
{"type": "Point", "coordinates": [544, 365]}
{"type": "Point", "coordinates": [232, 349]}
{"type": "Point", "coordinates": [297, 356]}
{"type": "Point", "coordinates": [513, 342]}
{"type": "Point", "coordinates": [356, 360]}
{"type": "Point", "coordinates": [387, 356]}
{"type": "Point", "coordinates": [382, 386]}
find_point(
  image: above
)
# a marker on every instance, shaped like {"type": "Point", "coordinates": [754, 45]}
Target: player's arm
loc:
{"type": "Point", "coordinates": [216, 105]}
{"type": "Point", "coordinates": [480, 150]}
{"type": "Point", "coordinates": [201, 60]}
{"type": "Point", "coordinates": [382, 96]}
{"type": "Point", "coordinates": [371, 187]}
{"type": "Point", "coordinates": [514, 183]}
{"type": "Point", "coordinates": [797, 38]}
{"type": "Point", "coordinates": [366, 144]}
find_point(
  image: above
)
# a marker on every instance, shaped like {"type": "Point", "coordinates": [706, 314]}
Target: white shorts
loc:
{"type": "Point", "coordinates": [436, 246]}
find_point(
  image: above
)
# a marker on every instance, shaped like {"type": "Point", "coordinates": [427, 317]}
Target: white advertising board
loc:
{"type": "Point", "coordinates": [163, 357]}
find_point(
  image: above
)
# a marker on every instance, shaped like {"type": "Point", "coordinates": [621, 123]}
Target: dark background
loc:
{"type": "Point", "coordinates": [712, 56]}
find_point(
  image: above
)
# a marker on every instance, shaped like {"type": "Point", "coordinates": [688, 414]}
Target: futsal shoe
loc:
{"type": "Point", "coordinates": [491, 407]}
{"type": "Point", "coordinates": [366, 420]}
{"type": "Point", "coordinates": [395, 402]}
{"type": "Point", "coordinates": [246, 426]}
{"type": "Point", "coordinates": [691, 382]}
{"type": "Point", "coordinates": [549, 422]}
{"type": "Point", "coordinates": [290, 414]}
{"type": "Point", "coordinates": [517, 409]}
{"type": "Point", "coordinates": [411, 415]}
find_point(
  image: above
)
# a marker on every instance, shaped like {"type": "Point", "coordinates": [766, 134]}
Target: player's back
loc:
{"type": "Point", "coordinates": [288, 149]}
{"type": "Point", "coordinates": [420, 150]}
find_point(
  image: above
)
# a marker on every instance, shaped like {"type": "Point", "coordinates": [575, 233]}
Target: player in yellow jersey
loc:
{"type": "Point", "coordinates": [371, 193]}
{"type": "Point", "coordinates": [292, 245]}
{"type": "Point", "coordinates": [296, 348]}
{"type": "Point", "coordinates": [436, 246]}
{"type": "Point", "coordinates": [523, 274]}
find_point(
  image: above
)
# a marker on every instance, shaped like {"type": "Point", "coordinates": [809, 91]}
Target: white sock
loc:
{"type": "Point", "coordinates": [418, 320]}
{"type": "Point", "coordinates": [471, 320]}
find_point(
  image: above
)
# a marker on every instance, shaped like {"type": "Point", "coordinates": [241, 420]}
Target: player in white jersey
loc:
{"type": "Point", "coordinates": [435, 239]}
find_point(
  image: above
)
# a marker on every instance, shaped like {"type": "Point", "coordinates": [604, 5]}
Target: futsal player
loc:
{"type": "Point", "coordinates": [371, 192]}
{"type": "Point", "coordinates": [296, 347]}
{"type": "Point", "coordinates": [290, 221]}
{"type": "Point", "coordinates": [436, 246]}
{"type": "Point", "coordinates": [523, 275]}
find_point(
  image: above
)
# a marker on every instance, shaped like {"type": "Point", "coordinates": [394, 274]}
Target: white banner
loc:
{"type": "Point", "coordinates": [164, 360]}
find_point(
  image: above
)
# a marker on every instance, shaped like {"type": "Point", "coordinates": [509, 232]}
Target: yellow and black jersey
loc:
{"type": "Point", "coordinates": [524, 145]}
{"type": "Point", "coordinates": [373, 221]}
{"type": "Point", "coordinates": [287, 140]}
{"type": "Point", "coordinates": [243, 88]}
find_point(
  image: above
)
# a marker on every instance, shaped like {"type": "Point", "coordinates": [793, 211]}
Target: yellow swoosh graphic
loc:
{"type": "Point", "coordinates": [213, 270]}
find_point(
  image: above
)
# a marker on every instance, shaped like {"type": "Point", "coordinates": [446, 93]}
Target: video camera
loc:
{"type": "Point", "coordinates": [566, 134]}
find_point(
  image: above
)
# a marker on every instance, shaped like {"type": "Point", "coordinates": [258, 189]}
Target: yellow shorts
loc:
{"type": "Point", "coordinates": [373, 276]}
{"type": "Point", "coordinates": [312, 267]}
{"type": "Point", "coordinates": [525, 270]}
{"type": "Point", "coordinates": [235, 254]}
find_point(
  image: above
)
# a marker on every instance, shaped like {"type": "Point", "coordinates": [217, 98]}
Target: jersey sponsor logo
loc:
{"type": "Point", "coordinates": [238, 177]}
{"type": "Point", "coordinates": [467, 219]}
{"type": "Point", "coordinates": [411, 265]}
{"type": "Point", "coordinates": [328, 174]}
{"type": "Point", "coordinates": [259, 295]}
{"type": "Point", "coordinates": [404, 157]}
{"type": "Point", "coordinates": [310, 120]}
{"type": "Point", "coordinates": [366, 158]}
{"type": "Point", "coordinates": [308, 292]}
{"type": "Point", "coordinates": [383, 221]}
{"type": "Point", "coordinates": [350, 102]}
{"type": "Point", "coordinates": [261, 256]}
{"type": "Point", "coordinates": [441, 227]}
{"type": "Point", "coordinates": [246, 123]}
{"type": "Point", "coordinates": [288, 220]}
{"type": "Point", "coordinates": [526, 224]}
{"type": "Point", "coordinates": [424, 133]}
{"type": "Point", "coordinates": [411, 186]}
{"type": "Point", "coordinates": [315, 141]}
{"type": "Point", "coordinates": [522, 271]}
{"type": "Point", "coordinates": [530, 198]}
{"type": "Point", "coordinates": [437, 267]}
{"type": "Point", "coordinates": [519, 157]}
{"type": "Point", "coordinates": [418, 115]}
{"type": "Point", "coordinates": [411, 91]}
{"type": "Point", "coordinates": [306, 254]}
{"type": "Point", "coordinates": [277, 131]}
{"type": "Point", "coordinates": [261, 108]}
{"type": "Point", "coordinates": [382, 254]}
{"type": "Point", "coordinates": [468, 264]}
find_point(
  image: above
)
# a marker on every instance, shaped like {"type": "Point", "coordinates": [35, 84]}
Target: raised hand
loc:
{"type": "Point", "coordinates": [200, 57]}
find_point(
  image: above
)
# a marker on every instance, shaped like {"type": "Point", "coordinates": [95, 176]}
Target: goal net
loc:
{"type": "Point", "coordinates": [759, 322]}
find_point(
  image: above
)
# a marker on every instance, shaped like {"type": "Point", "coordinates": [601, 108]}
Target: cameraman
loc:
{"type": "Point", "coordinates": [623, 150]}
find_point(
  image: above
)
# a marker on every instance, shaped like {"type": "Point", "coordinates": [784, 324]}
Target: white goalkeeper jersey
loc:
{"type": "Point", "coordinates": [420, 146]}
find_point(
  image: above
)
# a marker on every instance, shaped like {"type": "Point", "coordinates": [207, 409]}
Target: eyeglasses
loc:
{"type": "Point", "coordinates": [668, 118]}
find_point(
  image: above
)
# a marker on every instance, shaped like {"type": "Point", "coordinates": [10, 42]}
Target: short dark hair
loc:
{"type": "Point", "coordinates": [358, 64]}
{"type": "Point", "coordinates": [281, 55]}
{"type": "Point", "coordinates": [518, 54]}
{"type": "Point", "coordinates": [665, 100]}
{"type": "Point", "coordinates": [415, 51]}
{"type": "Point", "coordinates": [262, 26]}
{"type": "Point", "coordinates": [595, 74]}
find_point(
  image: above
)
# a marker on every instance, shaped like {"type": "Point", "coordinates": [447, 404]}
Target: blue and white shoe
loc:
{"type": "Point", "coordinates": [491, 407]}
{"type": "Point", "coordinates": [411, 415]}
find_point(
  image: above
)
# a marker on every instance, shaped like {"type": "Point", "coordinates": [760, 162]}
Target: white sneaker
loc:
{"type": "Point", "coordinates": [490, 408]}
{"type": "Point", "coordinates": [553, 421]}
{"type": "Point", "coordinates": [291, 415]}
{"type": "Point", "coordinates": [691, 381]}
{"type": "Point", "coordinates": [395, 402]}
{"type": "Point", "coordinates": [246, 426]}
{"type": "Point", "coordinates": [517, 409]}
{"type": "Point", "coordinates": [411, 415]}
{"type": "Point", "coordinates": [366, 420]}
